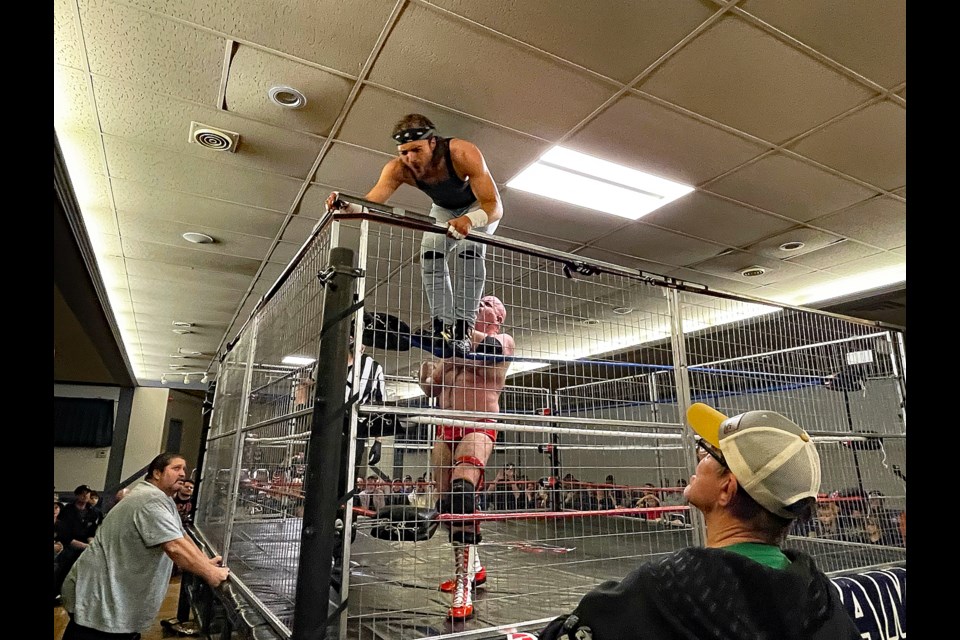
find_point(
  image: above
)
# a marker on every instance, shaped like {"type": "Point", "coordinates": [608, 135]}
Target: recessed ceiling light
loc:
{"type": "Point", "coordinates": [287, 97]}
{"type": "Point", "coordinates": [752, 272]}
{"type": "Point", "coordinates": [180, 323]}
{"type": "Point", "coordinates": [791, 246]}
{"type": "Point", "coordinates": [589, 322]}
{"type": "Point", "coordinates": [197, 238]}
{"type": "Point", "coordinates": [570, 176]}
{"type": "Point", "coordinates": [622, 311]}
{"type": "Point", "coordinates": [298, 360]}
{"type": "Point", "coordinates": [182, 331]}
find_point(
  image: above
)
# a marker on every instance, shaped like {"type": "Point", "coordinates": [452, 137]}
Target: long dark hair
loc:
{"type": "Point", "coordinates": [161, 462]}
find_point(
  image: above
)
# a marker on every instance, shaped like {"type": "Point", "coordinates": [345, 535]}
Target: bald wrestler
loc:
{"type": "Point", "coordinates": [460, 453]}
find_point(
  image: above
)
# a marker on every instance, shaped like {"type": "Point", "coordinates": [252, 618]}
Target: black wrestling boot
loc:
{"type": "Point", "coordinates": [461, 344]}
{"type": "Point", "coordinates": [436, 338]}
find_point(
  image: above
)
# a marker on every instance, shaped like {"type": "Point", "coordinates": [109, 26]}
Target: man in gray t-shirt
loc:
{"type": "Point", "coordinates": [118, 585]}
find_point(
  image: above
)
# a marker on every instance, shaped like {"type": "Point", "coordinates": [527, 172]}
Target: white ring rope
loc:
{"type": "Point", "coordinates": [507, 426]}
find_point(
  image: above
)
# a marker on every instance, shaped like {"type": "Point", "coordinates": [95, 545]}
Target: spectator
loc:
{"type": "Point", "coordinates": [874, 533]}
{"type": "Point", "coordinates": [183, 498]}
{"type": "Point", "coordinates": [499, 491]}
{"type": "Point", "coordinates": [363, 496]}
{"type": "Point", "coordinates": [615, 493]}
{"type": "Point", "coordinates": [888, 519]}
{"type": "Point", "coordinates": [528, 492]}
{"type": "Point", "coordinates": [121, 494]}
{"type": "Point", "coordinates": [118, 585]}
{"type": "Point", "coordinates": [57, 548]}
{"type": "Point", "coordinates": [604, 500]}
{"type": "Point", "coordinates": [77, 526]}
{"type": "Point", "coordinates": [648, 499]}
{"type": "Point", "coordinates": [743, 584]}
{"type": "Point", "coordinates": [675, 497]}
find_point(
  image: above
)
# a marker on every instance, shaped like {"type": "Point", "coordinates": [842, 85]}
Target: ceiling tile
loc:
{"type": "Point", "coordinates": [715, 219]}
{"type": "Point", "coordinates": [93, 196]}
{"type": "Point", "coordinates": [254, 72]}
{"type": "Point", "coordinates": [622, 260]}
{"type": "Point", "coordinates": [711, 281]}
{"type": "Point", "coordinates": [869, 263]}
{"type": "Point", "coordinates": [869, 38]}
{"type": "Point", "coordinates": [881, 222]}
{"type": "Point", "coordinates": [145, 118]}
{"type": "Point", "coordinates": [67, 40]}
{"type": "Point", "coordinates": [170, 232]}
{"type": "Point", "coordinates": [535, 214]}
{"type": "Point", "coordinates": [812, 239]}
{"type": "Point", "coordinates": [73, 108]}
{"type": "Point", "coordinates": [634, 34]}
{"type": "Point", "coordinates": [84, 150]}
{"type": "Point", "coordinates": [336, 34]}
{"type": "Point", "coordinates": [163, 169]}
{"type": "Point", "coordinates": [730, 265]}
{"type": "Point", "coordinates": [536, 239]}
{"type": "Point", "coordinates": [738, 75]}
{"type": "Point", "coordinates": [869, 144]}
{"type": "Point", "coordinates": [658, 245]}
{"type": "Point", "coordinates": [646, 136]}
{"type": "Point", "coordinates": [176, 273]}
{"type": "Point", "coordinates": [790, 187]}
{"type": "Point", "coordinates": [519, 85]}
{"type": "Point", "coordinates": [901, 250]}
{"type": "Point", "coordinates": [144, 289]}
{"type": "Point", "coordinates": [375, 111]}
{"type": "Point", "coordinates": [835, 254]}
{"type": "Point", "coordinates": [165, 254]}
{"type": "Point", "coordinates": [136, 201]}
{"type": "Point", "coordinates": [142, 48]}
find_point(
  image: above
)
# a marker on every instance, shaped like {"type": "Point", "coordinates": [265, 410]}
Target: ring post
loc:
{"type": "Point", "coordinates": [318, 536]}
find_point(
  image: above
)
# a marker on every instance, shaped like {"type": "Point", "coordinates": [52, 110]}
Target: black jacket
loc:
{"type": "Point", "coordinates": [711, 594]}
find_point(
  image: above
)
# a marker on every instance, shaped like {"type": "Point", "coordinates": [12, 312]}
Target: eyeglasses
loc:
{"type": "Point", "coordinates": [712, 451]}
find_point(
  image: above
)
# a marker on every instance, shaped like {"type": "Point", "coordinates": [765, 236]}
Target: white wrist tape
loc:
{"type": "Point", "coordinates": [478, 218]}
{"type": "Point", "coordinates": [453, 233]}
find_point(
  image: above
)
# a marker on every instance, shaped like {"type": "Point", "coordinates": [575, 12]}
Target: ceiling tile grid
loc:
{"type": "Point", "coordinates": [789, 119]}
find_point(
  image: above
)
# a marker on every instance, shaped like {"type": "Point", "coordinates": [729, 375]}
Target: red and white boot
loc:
{"type": "Point", "coordinates": [462, 607]}
{"type": "Point", "coordinates": [479, 574]}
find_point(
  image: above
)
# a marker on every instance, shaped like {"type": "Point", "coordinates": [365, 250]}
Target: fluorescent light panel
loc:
{"type": "Point", "coordinates": [299, 361]}
{"type": "Point", "coordinates": [576, 178]}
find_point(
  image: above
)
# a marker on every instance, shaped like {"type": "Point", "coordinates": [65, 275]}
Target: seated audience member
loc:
{"type": "Point", "coordinates": [57, 548]}
{"type": "Point", "coordinates": [183, 498]}
{"type": "Point", "coordinates": [675, 497]}
{"type": "Point", "coordinates": [603, 500]}
{"type": "Point", "coordinates": [758, 472]}
{"type": "Point", "coordinates": [874, 533]}
{"type": "Point", "coordinates": [362, 495]}
{"type": "Point", "coordinates": [615, 493]}
{"type": "Point", "coordinates": [888, 519]}
{"type": "Point", "coordinates": [528, 493]}
{"type": "Point", "coordinates": [499, 491]}
{"type": "Point", "coordinates": [648, 499]}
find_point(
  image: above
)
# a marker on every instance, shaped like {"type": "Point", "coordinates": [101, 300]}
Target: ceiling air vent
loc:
{"type": "Point", "coordinates": [752, 272]}
{"type": "Point", "coordinates": [212, 138]}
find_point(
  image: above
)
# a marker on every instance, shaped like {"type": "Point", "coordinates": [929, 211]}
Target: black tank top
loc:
{"type": "Point", "coordinates": [451, 193]}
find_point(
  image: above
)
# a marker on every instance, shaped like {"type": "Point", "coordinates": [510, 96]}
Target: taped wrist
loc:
{"type": "Point", "coordinates": [463, 498]}
{"type": "Point", "coordinates": [478, 218]}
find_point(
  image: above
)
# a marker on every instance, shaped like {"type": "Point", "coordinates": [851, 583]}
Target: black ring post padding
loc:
{"type": "Point", "coordinates": [318, 536]}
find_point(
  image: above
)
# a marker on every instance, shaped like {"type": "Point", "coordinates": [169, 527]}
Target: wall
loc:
{"type": "Point", "coordinates": [73, 466]}
{"type": "Point", "coordinates": [145, 437]}
{"type": "Point", "coordinates": [189, 409]}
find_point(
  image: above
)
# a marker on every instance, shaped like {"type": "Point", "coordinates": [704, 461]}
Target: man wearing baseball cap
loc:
{"type": "Point", "coordinates": [757, 473]}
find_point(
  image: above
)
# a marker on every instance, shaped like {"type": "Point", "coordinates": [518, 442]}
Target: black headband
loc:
{"type": "Point", "coordinates": [416, 133]}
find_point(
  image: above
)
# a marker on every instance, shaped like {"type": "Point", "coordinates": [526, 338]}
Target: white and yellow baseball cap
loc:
{"type": "Point", "coordinates": [773, 459]}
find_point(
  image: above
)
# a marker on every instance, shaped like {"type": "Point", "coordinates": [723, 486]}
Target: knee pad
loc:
{"type": "Point", "coordinates": [473, 462]}
{"type": "Point", "coordinates": [463, 497]}
{"type": "Point", "coordinates": [432, 255]}
{"type": "Point", "coordinates": [469, 254]}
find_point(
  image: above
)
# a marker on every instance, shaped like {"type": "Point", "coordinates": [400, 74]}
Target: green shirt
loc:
{"type": "Point", "coordinates": [766, 554]}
